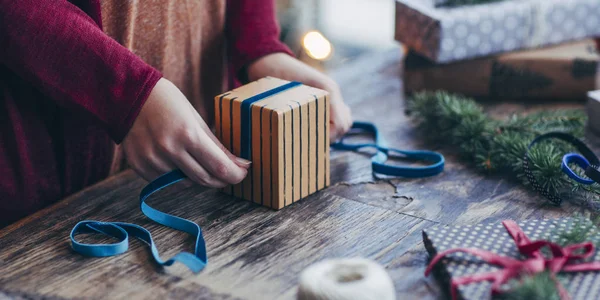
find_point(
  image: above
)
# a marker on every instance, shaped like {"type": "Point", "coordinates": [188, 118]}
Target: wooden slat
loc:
{"type": "Point", "coordinates": [326, 141]}
{"type": "Point", "coordinates": [322, 143]}
{"type": "Point", "coordinates": [256, 155]}
{"type": "Point", "coordinates": [288, 167]}
{"type": "Point", "coordinates": [236, 108]}
{"type": "Point", "coordinates": [265, 150]}
{"type": "Point", "coordinates": [313, 158]}
{"type": "Point", "coordinates": [304, 148]}
{"type": "Point", "coordinates": [226, 125]}
{"type": "Point", "coordinates": [278, 152]}
{"type": "Point", "coordinates": [296, 167]}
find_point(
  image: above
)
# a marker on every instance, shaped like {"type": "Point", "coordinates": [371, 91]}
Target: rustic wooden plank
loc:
{"type": "Point", "coordinates": [254, 252]}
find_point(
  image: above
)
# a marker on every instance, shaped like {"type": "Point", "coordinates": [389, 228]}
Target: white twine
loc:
{"type": "Point", "coordinates": [345, 279]}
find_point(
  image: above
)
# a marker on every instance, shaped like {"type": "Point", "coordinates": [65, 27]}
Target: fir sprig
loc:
{"type": "Point", "coordinates": [538, 287]}
{"type": "Point", "coordinates": [498, 146]}
{"type": "Point", "coordinates": [582, 230]}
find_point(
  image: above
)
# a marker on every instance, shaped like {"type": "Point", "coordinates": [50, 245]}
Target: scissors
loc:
{"type": "Point", "coordinates": [591, 169]}
{"type": "Point", "coordinates": [587, 160]}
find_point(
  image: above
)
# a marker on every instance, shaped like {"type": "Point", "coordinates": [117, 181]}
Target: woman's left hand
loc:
{"type": "Point", "coordinates": [340, 115]}
{"type": "Point", "coordinates": [285, 67]}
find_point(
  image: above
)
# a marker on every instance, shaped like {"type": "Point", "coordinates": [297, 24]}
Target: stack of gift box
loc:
{"type": "Point", "coordinates": [503, 49]}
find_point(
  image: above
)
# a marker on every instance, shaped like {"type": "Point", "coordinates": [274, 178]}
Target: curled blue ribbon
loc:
{"type": "Point", "coordinates": [378, 161]}
{"type": "Point", "coordinates": [121, 231]}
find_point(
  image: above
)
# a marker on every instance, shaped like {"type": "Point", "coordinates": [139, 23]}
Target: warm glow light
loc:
{"type": "Point", "coordinates": [316, 45]}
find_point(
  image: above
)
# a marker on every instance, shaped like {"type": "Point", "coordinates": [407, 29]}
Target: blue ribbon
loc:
{"type": "Point", "coordinates": [378, 161]}
{"type": "Point", "coordinates": [121, 231]}
{"type": "Point", "coordinates": [246, 130]}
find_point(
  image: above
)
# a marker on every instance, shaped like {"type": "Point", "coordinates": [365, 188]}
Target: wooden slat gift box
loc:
{"type": "Point", "coordinates": [283, 128]}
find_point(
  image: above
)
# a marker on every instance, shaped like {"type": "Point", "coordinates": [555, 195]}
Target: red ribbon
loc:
{"type": "Point", "coordinates": [561, 260]}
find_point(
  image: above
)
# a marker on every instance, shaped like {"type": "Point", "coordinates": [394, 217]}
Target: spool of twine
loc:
{"type": "Point", "coordinates": [345, 279]}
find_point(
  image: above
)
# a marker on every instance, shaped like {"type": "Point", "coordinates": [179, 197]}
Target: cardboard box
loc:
{"type": "Point", "coordinates": [283, 128]}
{"type": "Point", "coordinates": [565, 72]}
{"type": "Point", "coordinates": [449, 34]}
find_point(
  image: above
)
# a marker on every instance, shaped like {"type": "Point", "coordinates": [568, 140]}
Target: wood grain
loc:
{"type": "Point", "coordinates": [258, 253]}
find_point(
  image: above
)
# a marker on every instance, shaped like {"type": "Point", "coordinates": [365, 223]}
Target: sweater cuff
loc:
{"type": "Point", "coordinates": [121, 128]}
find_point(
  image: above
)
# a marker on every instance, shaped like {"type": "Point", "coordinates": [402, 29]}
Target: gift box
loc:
{"type": "Point", "coordinates": [509, 242]}
{"type": "Point", "coordinates": [283, 128]}
{"type": "Point", "coordinates": [567, 71]}
{"type": "Point", "coordinates": [447, 34]}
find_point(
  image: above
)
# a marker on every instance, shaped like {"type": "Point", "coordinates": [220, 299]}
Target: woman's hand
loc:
{"type": "Point", "coordinates": [285, 67]}
{"type": "Point", "coordinates": [168, 133]}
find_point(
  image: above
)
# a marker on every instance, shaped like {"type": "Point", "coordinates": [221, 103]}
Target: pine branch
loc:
{"type": "Point", "coordinates": [582, 230]}
{"type": "Point", "coordinates": [538, 287]}
{"type": "Point", "coordinates": [498, 146]}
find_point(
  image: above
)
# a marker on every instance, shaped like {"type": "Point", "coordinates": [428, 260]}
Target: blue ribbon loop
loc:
{"type": "Point", "coordinates": [121, 231]}
{"type": "Point", "coordinates": [378, 161]}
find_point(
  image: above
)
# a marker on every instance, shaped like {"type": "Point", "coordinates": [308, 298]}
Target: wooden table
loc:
{"type": "Point", "coordinates": [257, 253]}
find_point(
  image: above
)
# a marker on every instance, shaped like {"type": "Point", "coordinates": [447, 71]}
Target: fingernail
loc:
{"type": "Point", "coordinates": [243, 162]}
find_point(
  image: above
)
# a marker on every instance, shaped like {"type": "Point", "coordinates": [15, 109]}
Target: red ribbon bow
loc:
{"type": "Point", "coordinates": [560, 261]}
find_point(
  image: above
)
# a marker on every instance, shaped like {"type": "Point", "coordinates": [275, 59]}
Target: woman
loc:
{"type": "Point", "coordinates": [79, 77]}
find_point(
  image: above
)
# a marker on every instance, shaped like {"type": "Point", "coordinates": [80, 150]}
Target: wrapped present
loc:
{"type": "Point", "coordinates": [448, 34]}
{"type": "Point", "coordinates": [566, 71]}
{"type": "Point", "coordinates": [478, 261]}
{"type": "Point", "coordinates": [283, 128]}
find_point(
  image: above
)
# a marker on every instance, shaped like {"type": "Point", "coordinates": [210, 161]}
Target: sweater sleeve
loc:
{"type": "Point", "coordinates": [252, 32]}
{"type": "Point", "coordinates": [60, 50]}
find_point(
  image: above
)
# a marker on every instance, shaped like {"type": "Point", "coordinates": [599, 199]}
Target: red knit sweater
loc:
{"type": "Point", "coordinates": [67, 91]}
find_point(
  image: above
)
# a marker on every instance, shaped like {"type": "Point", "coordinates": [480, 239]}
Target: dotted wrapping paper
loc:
{"type": "Point", "coordinates": [448, 34]}
{"type": "Point", "coordinates": [495, 238]}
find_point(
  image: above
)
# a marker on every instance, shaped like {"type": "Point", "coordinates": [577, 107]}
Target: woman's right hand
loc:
{"type": "Point", "coordinates": [169, 133]}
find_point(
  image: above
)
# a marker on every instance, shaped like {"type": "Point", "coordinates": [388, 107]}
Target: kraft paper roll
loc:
{"type": "Point", "coordinates": [345, 279]}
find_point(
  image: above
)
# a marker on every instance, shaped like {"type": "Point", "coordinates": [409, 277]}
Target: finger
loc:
{"type": "Point", "coordinates": [216, 162]}
{"type": "Point", "coordinates": [333, 133]}
{"type": "Point", "coordinates": [196, 173]}
{"type": "Point", "coordinates": [217, 142]}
